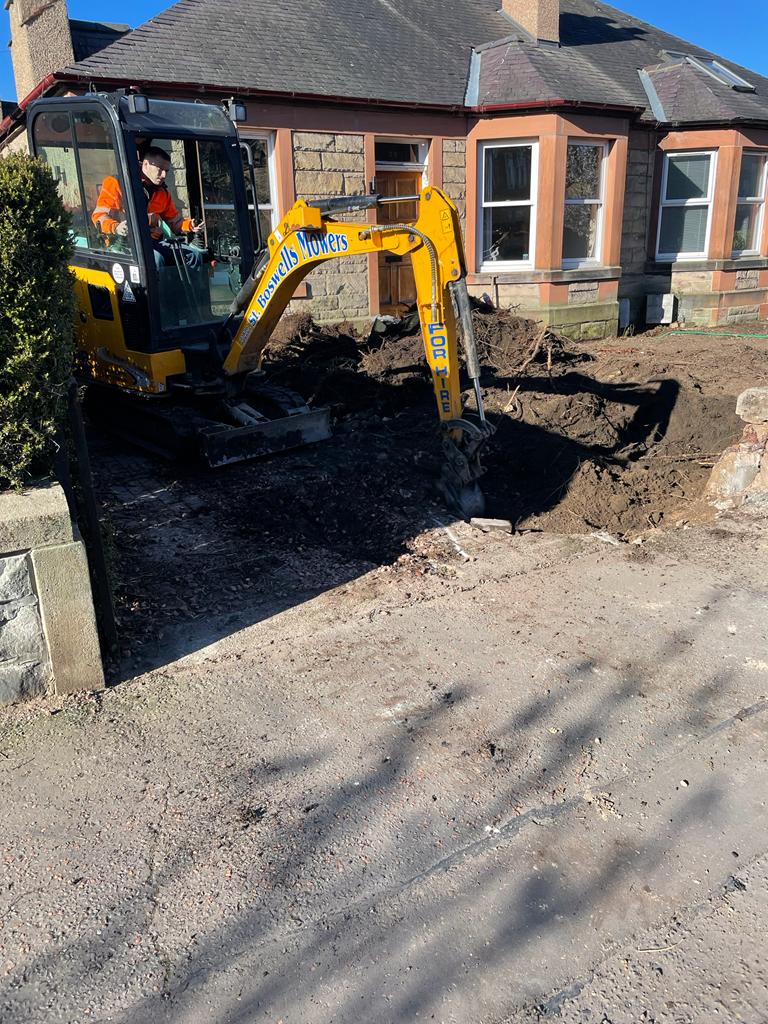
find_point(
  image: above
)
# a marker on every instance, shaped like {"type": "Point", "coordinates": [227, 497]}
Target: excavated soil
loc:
{"type": "Point", "coordinates": [617, 436]}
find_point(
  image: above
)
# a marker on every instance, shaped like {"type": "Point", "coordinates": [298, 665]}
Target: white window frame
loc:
{"type": "Point", "coordinates": [754, 201]}
{"type": "Point", "coordinates": [715, 69]}
{"type": "Point", "coordinates": [592, 261]}
{"type": "Point", "coordinates": [708, 201]}
{"type": "Point", "coordinates": [422, 164]}
{"type": "Point", "coordinates": [269, 138]}
{"type": "Point", "coordinates": [502, 266]}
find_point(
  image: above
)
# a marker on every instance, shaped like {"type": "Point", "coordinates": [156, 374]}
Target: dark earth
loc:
{"type": "Point", "coordinates": [617, 435]}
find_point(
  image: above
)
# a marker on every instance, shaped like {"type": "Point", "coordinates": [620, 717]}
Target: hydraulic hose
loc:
{"type": "Point", "coordinates": [381, 228]}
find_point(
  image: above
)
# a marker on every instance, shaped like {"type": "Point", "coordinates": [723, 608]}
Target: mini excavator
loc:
{"type": "Point", "coordinates": [172, 328]}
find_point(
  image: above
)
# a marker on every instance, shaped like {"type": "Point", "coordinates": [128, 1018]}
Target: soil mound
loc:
{"type": "Point", "coordinates": [592, 436]}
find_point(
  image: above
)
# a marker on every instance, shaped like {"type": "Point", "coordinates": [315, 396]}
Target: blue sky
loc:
{"type": "Point", "coordinates": [738, 31]}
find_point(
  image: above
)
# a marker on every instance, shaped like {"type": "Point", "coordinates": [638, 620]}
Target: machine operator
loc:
{"type": "Point", "coordinates": [110, 216]}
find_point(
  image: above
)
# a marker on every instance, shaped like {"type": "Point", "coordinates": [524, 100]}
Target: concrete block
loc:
{"type": "Point", "coordinates": [34, 518]}
{"type": "Point", "coordinates": [64, 590]}
{"type": "Point", "coordinates": [752, 405]}
{"type": "Point", "coordinates": [22, 682]}
{"type": "Point", "coordinates": [598, 329]}
{"type": "Point", "coordinates": [566, 316]}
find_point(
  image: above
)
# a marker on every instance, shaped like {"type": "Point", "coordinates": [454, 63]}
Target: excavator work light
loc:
{"type": "Point", "coordinates": [138, 104]}
{"type": "Point", "coordinates": [236, 111]}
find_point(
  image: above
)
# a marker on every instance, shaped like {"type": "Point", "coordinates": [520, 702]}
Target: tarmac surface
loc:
{"type": "Point", "coordinates": [523, 779]}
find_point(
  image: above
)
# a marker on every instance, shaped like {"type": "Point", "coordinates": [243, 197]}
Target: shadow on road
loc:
{"type": "Point", "coordinates": [397, 866]}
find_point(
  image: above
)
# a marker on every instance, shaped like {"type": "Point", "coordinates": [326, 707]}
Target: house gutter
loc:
{"type": "Point", "coordinates": [42, 87]}
{"type": "Point", "coordinates": [554, 104]}
{"type": "Point", "coordinates": [464, 109]}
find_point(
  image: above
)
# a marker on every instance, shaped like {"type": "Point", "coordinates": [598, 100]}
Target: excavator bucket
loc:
{"type": "Point", "coordinates": [262, 421]}
{"type": "Point", "coordinates": [222, 445]}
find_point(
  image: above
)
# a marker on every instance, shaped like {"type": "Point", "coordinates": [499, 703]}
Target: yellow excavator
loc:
{"type": "Point", "coordinates": [172, 328]}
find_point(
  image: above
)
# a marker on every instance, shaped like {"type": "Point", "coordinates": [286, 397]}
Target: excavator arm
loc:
{"type": "Point", "coordinates": [310, 235]}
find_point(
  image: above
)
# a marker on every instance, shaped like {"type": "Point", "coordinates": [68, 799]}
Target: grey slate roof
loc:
{"type": "Point", "coordinates": [418, 52]}
{"type": "Point", "coordinates": [89, 37]}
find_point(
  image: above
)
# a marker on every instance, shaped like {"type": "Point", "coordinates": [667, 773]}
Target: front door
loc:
{"type": "Point", "coordinates": [397, 288]}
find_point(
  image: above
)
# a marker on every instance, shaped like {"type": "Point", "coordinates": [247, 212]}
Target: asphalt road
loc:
{"type": "Point", "coordinates": [523, 787]}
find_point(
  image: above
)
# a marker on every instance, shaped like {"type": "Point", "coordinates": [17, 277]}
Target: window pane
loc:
{"type": "Point", "coordinates": [265, 219]}
{"type": "Point", "coordinates": [580, 235]}
{"type": "Point", "coordinates": [261, 169]}
{"type": "Point", "coordinates": [508, 174]}
{"type": "Point", "coordinates": [397, 152]}
{"type": "Point", "coordinates": [747, 224]}
{"type": "Point", "coordinates": [583, 176]}
{"type": "Point", "coordinates": [683, 229]}
{"type": "Point", "coordinates": [688, 177]}
{"type": "Point", "coordinates": [751, 180]}
{"type": "Point", "coordinates": [506, 233]}
{"type": "Point", "coordinates": [55, 146]}
{"type": "Point", "coordinates": [101, 184]}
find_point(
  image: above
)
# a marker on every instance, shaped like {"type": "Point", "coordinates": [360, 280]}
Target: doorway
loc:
{"type": "Point", "coordinates": [400, 171]}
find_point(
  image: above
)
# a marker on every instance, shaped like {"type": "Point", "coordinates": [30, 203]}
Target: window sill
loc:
{"type": "Point", "coordinates": [688, 266]}
{"type": "Point", "coordinates": [563, 275]}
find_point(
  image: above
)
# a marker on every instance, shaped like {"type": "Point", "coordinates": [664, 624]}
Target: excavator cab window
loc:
{"type": "Point", "coordinates": [198, 289]}
{"type": "Point", "coordinates": [79, 148]}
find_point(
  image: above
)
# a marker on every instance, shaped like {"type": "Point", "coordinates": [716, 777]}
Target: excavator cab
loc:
{"type": "Point", "coordinates": [150, 307]}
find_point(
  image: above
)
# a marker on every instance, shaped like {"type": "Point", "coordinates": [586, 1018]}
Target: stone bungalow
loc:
{"type": "Point", "coordinates": [599, 163]}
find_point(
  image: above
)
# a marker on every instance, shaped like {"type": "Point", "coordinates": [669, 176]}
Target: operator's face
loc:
{"type": "Point", "coordinates": [156, 169]}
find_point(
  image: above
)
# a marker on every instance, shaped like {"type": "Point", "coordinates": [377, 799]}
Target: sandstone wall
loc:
{"type": "Point", "coordinates": [327, 164]}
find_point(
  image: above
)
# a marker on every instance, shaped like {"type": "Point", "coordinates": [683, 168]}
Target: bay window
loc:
{"type": "Point", "coordinates": [507, 222]}
{"type": "Point", "coordinates": [584, 187]}
{"type": "Point", "coordinates": [750, 205]}
{"type": "Point", "coordinates": [685, 217]}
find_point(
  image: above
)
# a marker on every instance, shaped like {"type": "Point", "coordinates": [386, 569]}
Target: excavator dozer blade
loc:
{"type": "Point", "coordinates": [221, 444]}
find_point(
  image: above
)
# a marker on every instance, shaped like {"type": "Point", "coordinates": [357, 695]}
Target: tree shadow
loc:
{"type": "Point", "coordinates": [381, 891]}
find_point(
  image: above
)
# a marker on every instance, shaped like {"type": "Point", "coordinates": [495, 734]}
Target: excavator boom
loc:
{"type": "Point", "coordinates": [309, 235]}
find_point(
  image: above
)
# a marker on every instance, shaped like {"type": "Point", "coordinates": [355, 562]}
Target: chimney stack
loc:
{"type": "Point", "coordinates": [41, 41]}
{"type": "Point", "coordinates": [539, 17]}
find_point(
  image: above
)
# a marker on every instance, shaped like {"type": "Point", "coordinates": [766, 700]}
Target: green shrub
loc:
{"type": "Point", "coordinates": [36, 318]}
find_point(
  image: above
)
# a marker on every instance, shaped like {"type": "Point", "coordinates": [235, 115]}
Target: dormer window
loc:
{"type": "Point", "coordinates": [712, 67]}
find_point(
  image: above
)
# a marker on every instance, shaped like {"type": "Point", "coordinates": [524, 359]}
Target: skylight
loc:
{"type": "Point", "coordinates": [715, 69]}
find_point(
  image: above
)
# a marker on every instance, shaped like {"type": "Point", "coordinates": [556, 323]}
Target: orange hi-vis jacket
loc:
{"type": "Point", "coordinates": [109, 209]}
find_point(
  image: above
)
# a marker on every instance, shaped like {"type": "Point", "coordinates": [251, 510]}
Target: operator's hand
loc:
{"type": "Point", "coordinates": [197, 226]}
{"type": "Point", "coordinates": [122, 229]}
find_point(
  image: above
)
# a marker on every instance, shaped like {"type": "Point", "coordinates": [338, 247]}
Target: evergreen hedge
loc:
{"type": "Point", "coordinates": [36, 318]}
